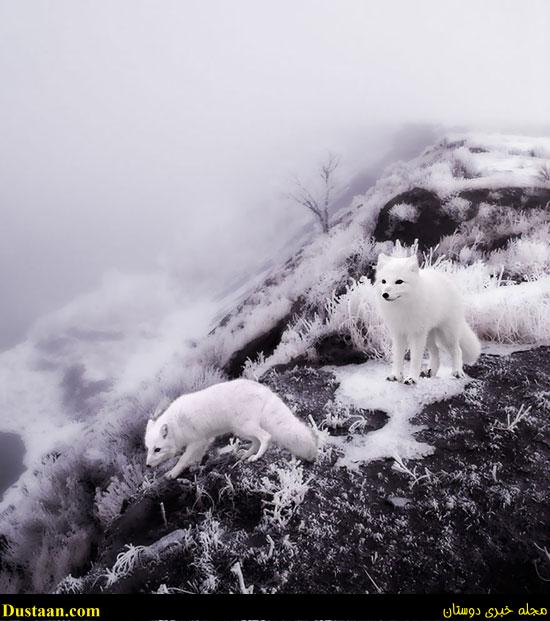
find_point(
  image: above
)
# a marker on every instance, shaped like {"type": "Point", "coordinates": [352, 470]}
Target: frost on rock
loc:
{"type": "Point", "coordinates": [404, 211]}
{"type": "Point", "coordinates": [457, 208]}
{"type": "Point", "coordinates": [365, 386]}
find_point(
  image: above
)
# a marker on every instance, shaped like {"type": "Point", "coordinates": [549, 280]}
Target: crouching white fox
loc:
{"type": "Point", "coordinates": [242, 407]}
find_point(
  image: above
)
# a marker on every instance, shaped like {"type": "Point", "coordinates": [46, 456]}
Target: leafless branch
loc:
{"type": "Point", "coordinates": [320, 207]}
{"type": "Point", "coordinates": [543, 173]}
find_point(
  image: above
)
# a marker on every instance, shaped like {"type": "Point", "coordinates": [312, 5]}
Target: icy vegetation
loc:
{"type": "Point", "coordinates": [394, 460]}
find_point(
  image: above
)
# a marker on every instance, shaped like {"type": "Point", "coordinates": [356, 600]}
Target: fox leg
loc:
{"type": "Point", "coordinates": [252, 450]}
{"type": "Point", "coordinates": [434, 356]}
{"type": "Point", "coordinates": [398, 349]}
{"type": "Point", "coordinates": [193, 453]}
{"type": "Point", "coordinates": [456, 355]}
{"type": "Point", "coordinates": [263, 438]}
{"type": "Point", "coordinates": [418, 345]}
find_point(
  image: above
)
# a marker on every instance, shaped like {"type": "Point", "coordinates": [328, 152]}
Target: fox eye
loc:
{"type": "Point", "coordinates": [157, 450]}
{"type": "Point", "coordinates": [399, 282]}
{"type": "Point", "coordinates": [383, 282]}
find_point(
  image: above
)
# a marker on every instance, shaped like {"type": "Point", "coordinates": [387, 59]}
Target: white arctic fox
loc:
{"type": "Point", "coordinates": [422, 308]}
{"type": "Point", "coordinates": [243, 407]}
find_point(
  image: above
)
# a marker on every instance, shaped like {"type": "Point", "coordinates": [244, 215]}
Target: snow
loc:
{"type": "Point", "coordinates": [404, 211]}
{"type": "Point", "coordinates": [454, 165]}
{"type": "Point", "coordinates": [505, 349]}
{"type": "Point", "coordinates": [504, 143]}
{"type": "Point", "coordinates": [365, 387]}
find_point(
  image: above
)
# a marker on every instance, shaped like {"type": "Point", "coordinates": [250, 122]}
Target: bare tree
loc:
{"type": "Point", "coordinates": [318, 205]}
{"type": "Point", "coordinates": [543, 173]}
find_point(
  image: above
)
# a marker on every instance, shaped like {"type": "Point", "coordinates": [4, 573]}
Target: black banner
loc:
{"type": "Point", "coordinates": [368, 607]}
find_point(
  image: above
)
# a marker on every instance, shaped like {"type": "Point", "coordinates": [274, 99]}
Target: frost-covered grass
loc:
{"type": "Point", "coordinates": [122, 486]}
{"type": "Point", "coordinates": [498, 310]}
{"type": "Point", "coordinates": [60, 508]}
{"type": "Point", "coordinates": [352, 313]}
{"type": "Point", "coordinates": [457, 207]}
{"type": "Point", "coordinates": [525, 257]}
{"type": "Point", "coordinates": [404, 211]}
{"type": "Point", "coordinates": [125, 563]}
{"type": "Point", "coordinates": [285, 492]}
{"type": "Point", "coordinates": [513, 314]}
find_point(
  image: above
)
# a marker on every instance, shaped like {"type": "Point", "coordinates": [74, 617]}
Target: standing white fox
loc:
{"type": "Point", "coordinates": [422, 307]}
{"type": "Point", "coordinates": [243, 407]}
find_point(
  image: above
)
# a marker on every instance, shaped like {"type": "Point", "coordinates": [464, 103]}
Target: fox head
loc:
{"type": "Point", "coordinates": [159, 442]}
{"type": "Point", "coordinates": [395, 277]}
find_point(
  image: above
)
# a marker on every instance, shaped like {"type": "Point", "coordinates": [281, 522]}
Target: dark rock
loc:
{"type": "Point", "coordinates": [337, 349]}
{"type": "Point", "coordinates": [433, 222]}
{"type": "Point", "coordinates": [538, 198]}
{"type": "Point", "coordinates": [12, 451]}
{"type": "Point", "coordinates": [516, 198]}
{"type": "Point", "coordinates": [141, 521]}
{"type": "Point", "coordinates": [358, 268]}
{"type": "Point", "coordinates": [504, 200]}
{"type": "Point", "coordinates": [266, 343]}
{"type": "Point", "coordinates": [456, 144]}
{"type": "Point", "coordinates": [303, 388]}
{"type": "Point", "coordinates": [430, 225]}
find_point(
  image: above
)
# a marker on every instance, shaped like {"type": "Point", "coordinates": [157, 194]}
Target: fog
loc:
{"type": "Point", "coordinates": [134, 133]}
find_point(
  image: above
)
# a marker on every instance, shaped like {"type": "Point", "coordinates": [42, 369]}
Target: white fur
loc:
{"type": "Point", "coordinates": [422, 308]}
{"type": "Point", "coordinates": [242, 407]}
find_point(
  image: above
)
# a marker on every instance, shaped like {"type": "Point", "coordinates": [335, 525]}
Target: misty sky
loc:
{"type": "Point", "coordinates": [130, 128]}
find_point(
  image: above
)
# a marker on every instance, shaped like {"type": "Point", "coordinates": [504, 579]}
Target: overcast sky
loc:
{"type": "Point", "coordinates": [130, 127]}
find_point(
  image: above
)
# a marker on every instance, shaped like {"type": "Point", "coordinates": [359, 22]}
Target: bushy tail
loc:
{"type": "Point", "coordinates": [289, 431]}
{"type": "Point", "coordinates": [470, 345]}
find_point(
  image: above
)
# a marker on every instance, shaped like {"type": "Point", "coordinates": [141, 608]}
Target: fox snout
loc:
{"type": "Point", "coordinates": [385, 295]}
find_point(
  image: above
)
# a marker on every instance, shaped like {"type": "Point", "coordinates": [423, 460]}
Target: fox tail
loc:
{"type": "Point", "coordinates": [470, 345]}
{"type": "Point", "coordinates": [290, 432]}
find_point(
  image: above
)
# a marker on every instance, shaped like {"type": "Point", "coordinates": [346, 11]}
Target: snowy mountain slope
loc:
{"type": "Point", "coordinates": [456, 165]}
{"type": "Point", "coordinates": [114, 354]}
{"type": "Point", "coordinates": [80, 360]}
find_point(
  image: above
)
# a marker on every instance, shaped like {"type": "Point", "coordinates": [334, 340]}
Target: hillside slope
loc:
{"type": "Point", "coordinates": [448, 476]}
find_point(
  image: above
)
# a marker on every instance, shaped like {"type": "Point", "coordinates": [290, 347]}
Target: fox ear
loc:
{"type": "Point", "coordinates": [382, 259]}
{"type": "Point", "coordinates": [413, 263]}
{"type": "Point", "coordinates": [164, 431]}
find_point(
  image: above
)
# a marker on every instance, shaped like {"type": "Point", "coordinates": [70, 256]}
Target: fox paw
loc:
{"type": "Point", "coordinates": [172, 474]}
{"type": "Point", "coordinates": [426, 373]}
{"type": "Point", "coordinates": [393, 378]}
{"type": "Point", "coordinates": [459, 374]}
{"type": "Point", "coordinates": [409, 381]}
